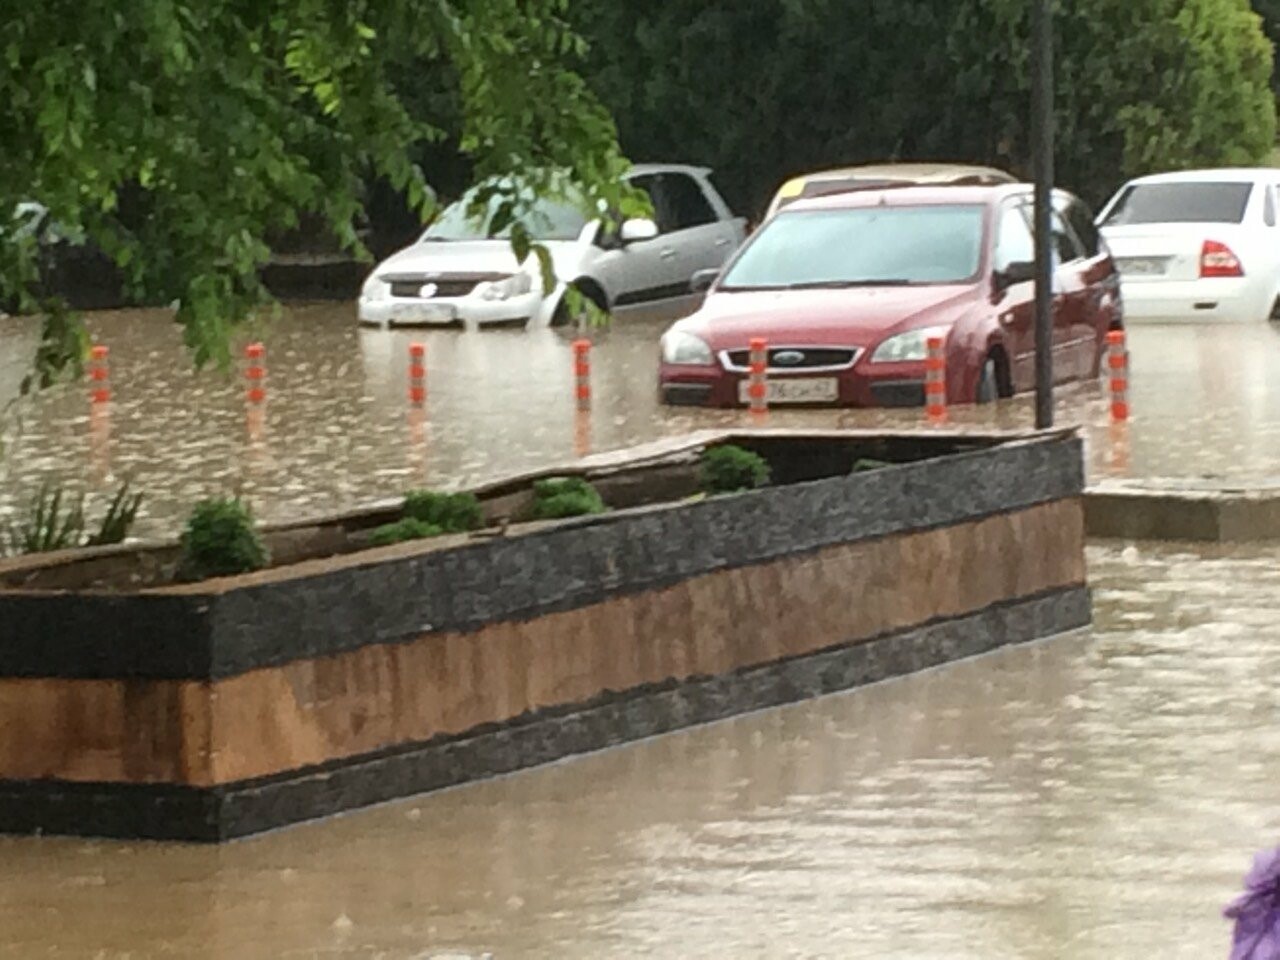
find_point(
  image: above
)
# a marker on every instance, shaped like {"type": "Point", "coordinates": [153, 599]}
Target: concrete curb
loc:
{"type": "Point", "coordinates": [1182, 509]}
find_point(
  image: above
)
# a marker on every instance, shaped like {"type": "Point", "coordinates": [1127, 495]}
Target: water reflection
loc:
{"type": "Point", "coordinates": [339, 430]}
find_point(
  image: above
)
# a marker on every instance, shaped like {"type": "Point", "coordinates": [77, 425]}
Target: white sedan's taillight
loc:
{"type": "Point", "coordinates": [1217, 260]}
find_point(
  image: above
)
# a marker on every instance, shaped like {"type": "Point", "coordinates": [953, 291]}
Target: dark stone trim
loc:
{"type": "Point", "coordinates": [176, 813]}
{"type": "Point", "coordinates": [101, 636]}
{"type": "Point", "coordinates": [566, 567]}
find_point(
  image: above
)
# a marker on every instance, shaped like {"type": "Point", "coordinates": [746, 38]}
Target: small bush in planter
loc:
{"type": "Point", "coordinates": [450, 512]}
{"type": "Point", "coordinates": [731, 469]}
{"type": "Point", "coordinates": [221, 540]}
{"type": "Point", "coordinates": [410, 528]}
{"type": "Point", "coordinates": [562, 497]}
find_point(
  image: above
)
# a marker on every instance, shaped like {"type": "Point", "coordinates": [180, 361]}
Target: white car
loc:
{"type": "Point", "coordinates": [455, 275]}
{"type": "Point", "coordinates": [1199, 245]}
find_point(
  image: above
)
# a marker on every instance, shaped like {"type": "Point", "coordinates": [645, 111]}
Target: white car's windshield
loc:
{"type": "Point", "coordinates": [864, 246]}
{"type": "Point", "coordinates": [1183, 202]}
{"type": "Point", "coordinates": [546, 220]}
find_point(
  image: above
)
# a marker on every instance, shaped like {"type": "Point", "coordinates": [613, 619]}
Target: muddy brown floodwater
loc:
{"type": "Point", "coordinates": [1093, 797]}
{"type": "Point", "coordinates": [338, 431]}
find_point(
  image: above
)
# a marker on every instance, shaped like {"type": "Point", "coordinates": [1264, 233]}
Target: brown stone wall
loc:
{"type": "Point", "coordinates": [311, 711]}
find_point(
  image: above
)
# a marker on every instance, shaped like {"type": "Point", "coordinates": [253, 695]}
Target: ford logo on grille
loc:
{"type": "Point", "coordinates": [788, 358]}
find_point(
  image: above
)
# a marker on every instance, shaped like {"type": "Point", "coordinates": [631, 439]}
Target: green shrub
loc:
{"type": "Point", "coordinates": [55, 521]}
{"type": "Point", "coordinates": [731, 469]}
{"type": "Point", "coordinates": [49, 524]}
{"type": "Point", "coordinates": [562, 497]}
{"type": "Point", "coordinates": [119, 519]}
{"type": "Point", "coordinates": [221, 540]}
{"type": "Point", "coordinates": [451, 512]}
{"type": "Point", "coordinates": [410, 528]}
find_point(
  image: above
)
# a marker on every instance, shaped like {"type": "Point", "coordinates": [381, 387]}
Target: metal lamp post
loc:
{"type": "Point", "coordinates": [1042, 149]}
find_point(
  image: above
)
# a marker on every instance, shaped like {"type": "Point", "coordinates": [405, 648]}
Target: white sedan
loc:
{"type": "Point", "coordinates": [1197, 245]}
{"type": "Point", "coordinates": [458, 275]}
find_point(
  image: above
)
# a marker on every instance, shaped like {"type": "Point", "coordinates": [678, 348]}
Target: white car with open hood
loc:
{"type": "Point", "coordinates": [456, 275]}
{"type": "Point", "coordinates": [1198, 245]}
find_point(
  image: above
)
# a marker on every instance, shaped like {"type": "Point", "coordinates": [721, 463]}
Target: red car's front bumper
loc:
{"type": "Point", "coordinates": [864, 385]}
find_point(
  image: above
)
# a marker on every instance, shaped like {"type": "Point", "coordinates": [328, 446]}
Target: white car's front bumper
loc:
{"type": "Point", "coordinates": [449, 311]}
{"type": "Point", "coordinates": [1218, 299]}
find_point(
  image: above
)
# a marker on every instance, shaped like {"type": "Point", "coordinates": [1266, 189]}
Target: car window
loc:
{"type": "Point", "coordinates": [656, 186]}
{"type": "Point", "coordinates": [862, 246]}
{"type": "Point", "coordinates": [547, 219]}
{"type": "Point", "coordinates": [1180, 202]}
{"type": "Point", "coordinates": [689, 205]}
{"type": "Point", "coordinates": [1269, 207]}
{"type": "Point", "coordinates": [1080, 219]}
{"type": "Point", "coordinates": [1065, 247]}
{"type": "Point", "coordinates": [1014, 242]}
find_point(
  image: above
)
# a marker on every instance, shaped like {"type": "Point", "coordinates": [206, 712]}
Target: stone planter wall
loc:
{"type": "Point", "coordinates": [218, 710]}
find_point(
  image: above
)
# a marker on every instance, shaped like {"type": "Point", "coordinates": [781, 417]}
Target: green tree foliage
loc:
{"type": "Point", "coordinates": [1269, 11]}
{"type": "Point", "coordinates": [764, 90]}
{"type": "Point", "coordinates": [178, 134]}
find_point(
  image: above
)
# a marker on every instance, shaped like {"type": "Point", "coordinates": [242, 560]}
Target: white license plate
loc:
{"type": "Point", "coordinates": [1141, 266]}
{"type": "Point", "coordinates": [424, 313]}
{"type": "Point", "coordinates": [796, 390]}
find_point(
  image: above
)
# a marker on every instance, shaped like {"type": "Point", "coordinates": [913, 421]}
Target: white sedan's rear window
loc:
{"type": "Point", "coordinates": [1184, 202]}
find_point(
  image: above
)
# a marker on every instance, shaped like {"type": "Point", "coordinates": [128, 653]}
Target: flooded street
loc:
{"type": "Point", "coordinates": [1096, 797]}
{"type": "Point", "coordinates": [338, 430]}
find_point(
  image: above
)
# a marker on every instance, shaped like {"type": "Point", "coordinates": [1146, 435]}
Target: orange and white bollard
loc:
{"type": "Point", "coordinates": [100, 441]}
{"type": "Point", "coordinates": [935, 381]}
{"type": "Point", "coordinates": [255, 374]}
{"type": "Point", "coordinates": [582, 434]}
{"type": "Point", "coordinates": [758, 378]}
{"type": "Point", "coordinates": [417, 374]}
{"type": "Point", "coordinates": [100, 374]}
{"type": "Point", "coordinates": [1118, 370]}
{"type": "Point", "coordinates": [582, 373]}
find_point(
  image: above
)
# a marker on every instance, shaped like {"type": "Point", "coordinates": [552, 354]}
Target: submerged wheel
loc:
{"type": "Point", "coordinates": [988, 383]}
{"type": "Point", "coordinates": [564, 317]}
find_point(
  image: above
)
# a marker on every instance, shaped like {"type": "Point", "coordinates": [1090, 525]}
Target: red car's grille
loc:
{"type": "Point", "coordinates": [783, 359]}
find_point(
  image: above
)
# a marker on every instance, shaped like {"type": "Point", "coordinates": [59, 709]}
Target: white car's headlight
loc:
{"type": "Point", "coordinates": [375, 289]}
{"type": "Point", "coordinates": [912, 345]}
{"type": "Point", "coordinates": [514, 286]}
{"type": "Point", "coordinates": [681, 347]}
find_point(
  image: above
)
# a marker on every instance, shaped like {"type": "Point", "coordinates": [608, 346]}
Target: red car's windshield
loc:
{"type": "Point", "coordinates": [862, 246]}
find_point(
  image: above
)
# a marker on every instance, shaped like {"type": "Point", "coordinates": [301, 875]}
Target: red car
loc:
{"type": "Point", "coordinates": [847, 289]}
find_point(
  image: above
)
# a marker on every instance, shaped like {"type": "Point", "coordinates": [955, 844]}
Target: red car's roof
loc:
{"type": "Point", "coordinates": [911, 196]}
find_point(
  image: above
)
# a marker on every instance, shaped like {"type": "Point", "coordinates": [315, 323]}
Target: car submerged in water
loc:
{"type": "Point", "coordinates": [848, 289]}
{"type": "Point", "coordinates": [459, 275]}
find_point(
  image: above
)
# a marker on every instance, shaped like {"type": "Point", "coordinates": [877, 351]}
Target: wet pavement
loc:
{"type": "Point", "coordinates": [1094, 797]}
{"type": "Point", "coordinates": [338, 430]}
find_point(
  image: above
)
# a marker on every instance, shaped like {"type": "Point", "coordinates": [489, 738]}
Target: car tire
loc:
{"type": "Point", "coordinates": [563, 318]}
{"type": "Point", "coordinates": [988, 390]}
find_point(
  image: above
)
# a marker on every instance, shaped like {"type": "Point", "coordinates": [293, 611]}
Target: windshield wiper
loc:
{"type": "Point", "coordinates": [847, 284]}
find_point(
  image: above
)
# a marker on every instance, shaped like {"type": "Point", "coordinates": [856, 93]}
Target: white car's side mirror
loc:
{"type": "Point", "coordinates": [638, 230]}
